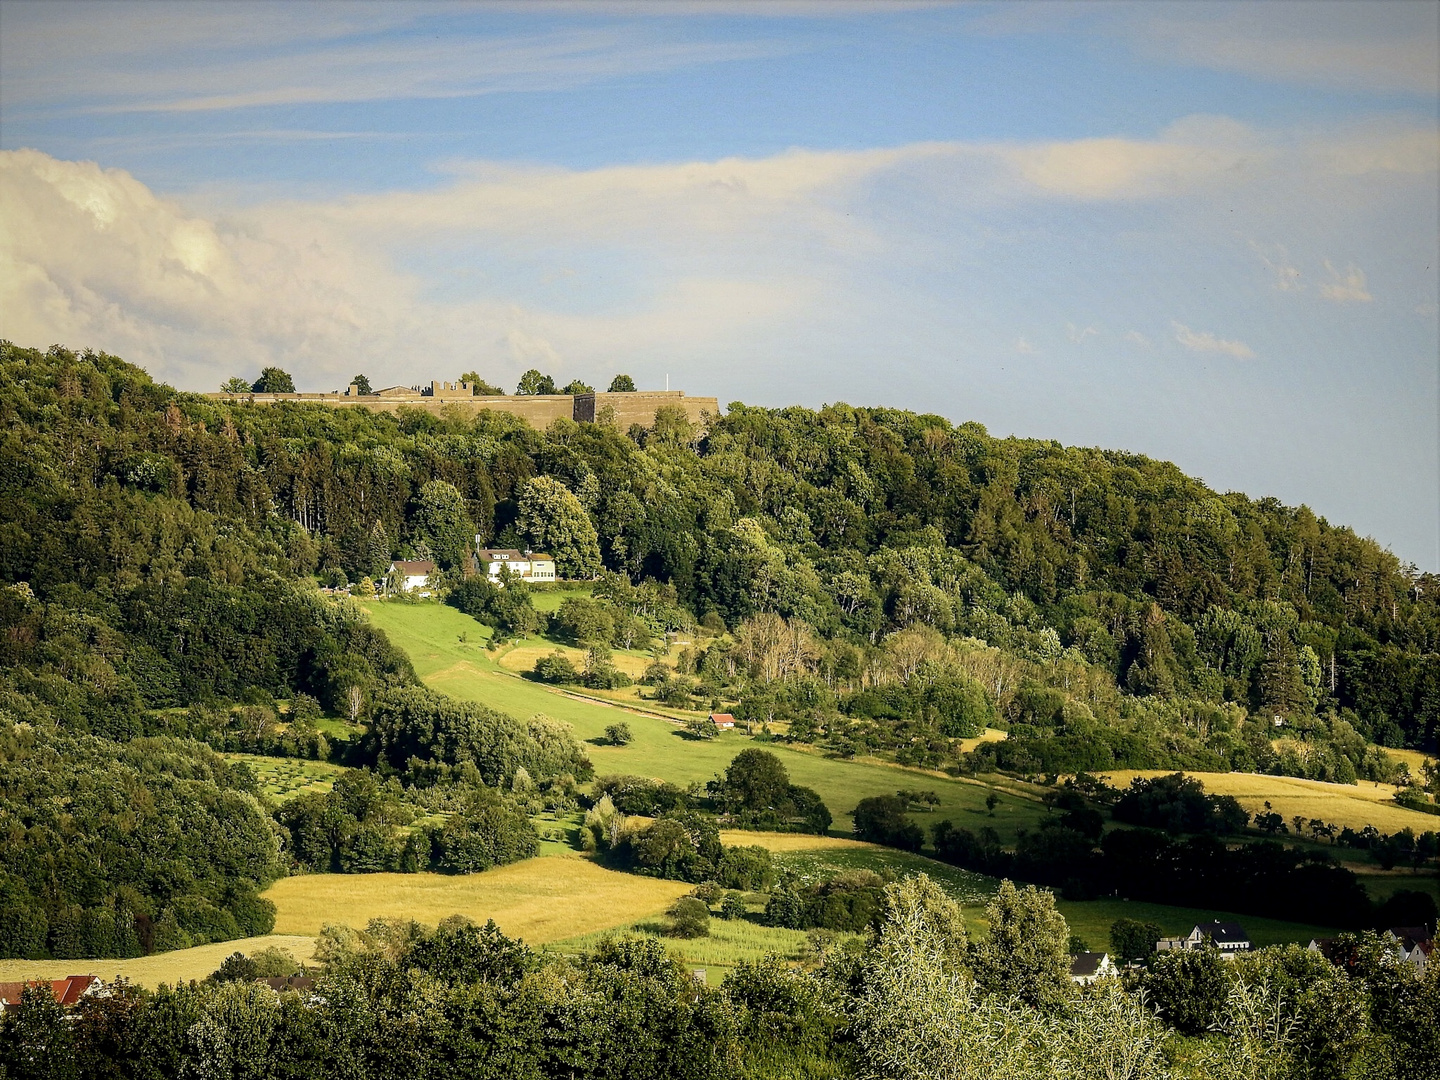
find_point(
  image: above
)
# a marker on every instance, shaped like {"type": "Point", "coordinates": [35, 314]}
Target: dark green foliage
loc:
{"type": "Point", "coordinates": [756, 793]}
{"type": "Point", "coordinates": [851, 901]}
{"type": "Point", "coordinates": [881, 819]}
{"type": "Point", "coordinates": [689, 918]}
{"type": "Point", "coordinates": [618, 734]}
{"type": "Point", "coordinates": [1178, 804]}
{"type": "Point", "coordinates": [36, 1042]}
{"type": "Point", "coordinates": [641, 795]}
{"type": "Point", "coordinates": [1131, 939]}
{"type": "Point", "coordinates": [556, 668]}
{"type": "Point", "coordinates": [748, 868]}
{"type": "Point", "coordinates": [622, 384]}
{"type": "Point", "coordinates": [507, 607]}
{"type": "Point", "coordinates": [411, 726]}
{"type": "Point", "coordinates": [487, 832]}
{"type": "Point", "coordinates": [1187, 987]}
{"type": "Point", "coordinates": [274, 381]}
{"type": "Point", "coordinates": [74, 878]}
{"type": "Point", "coordinates": [684, 846]}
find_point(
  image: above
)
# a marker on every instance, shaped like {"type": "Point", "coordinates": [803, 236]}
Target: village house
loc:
{"type": "Point", "coordinates": [1086, 967]}
{"type": "Point", "coordinates": [1230, 938]}
{"type": "Point", "coordinates": [527, 565]}
{"type": "Point", "coordinates": [1413, 945]}
{"type": "Point", "coordinates": [68, 991]}
{"type": "Point", "coordinates": [722, 720]}
{"type": "Point", "coordinates": [412, 574]}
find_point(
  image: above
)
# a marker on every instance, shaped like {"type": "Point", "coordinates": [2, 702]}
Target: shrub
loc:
{"type": "Point", "coordinates": [618, 734]}
{"type": "Point", "coordinates": [689, 918]}
{"type": "Point", "coordinates": [881, 819]}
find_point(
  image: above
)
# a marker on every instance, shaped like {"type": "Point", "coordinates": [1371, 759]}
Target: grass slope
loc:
{"type": "Point", "coordinates": [431, 635]}
{"type": "Point", "coordinates": [179, 966]}
{"type": "Point", "coordinates": [538, 900]}
{"type": "Point", "coordinates": [285, 778]}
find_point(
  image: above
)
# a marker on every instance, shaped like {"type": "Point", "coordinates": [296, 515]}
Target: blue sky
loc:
{"type": "Point", "coordinates": [1203, 232]}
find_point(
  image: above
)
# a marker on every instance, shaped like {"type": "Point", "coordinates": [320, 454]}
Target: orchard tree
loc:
{"type": "Point", "coordinates": [274, 381]}
{"type": "Point", "coordinates": [552, 520]}
{"type": "Point", "coordinates": [441, 520]}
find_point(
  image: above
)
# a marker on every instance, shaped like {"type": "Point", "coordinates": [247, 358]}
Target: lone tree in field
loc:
{"type": "Point", "coordinates": [618, 734]}
{"type": "Point", "coordinates": [622, 384]}
{"type": "Point", "coordinates": [553, 521]}
{"type": "Point", "coordinates": [274, 381]}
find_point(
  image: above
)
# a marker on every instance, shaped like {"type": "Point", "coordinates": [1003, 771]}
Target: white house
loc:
{"type": "Point", "coordinates": [1413, 946]}
{"type": "Point", "coordinates": [1086, 967]}
{"type": "Point", "coordinates": [528, 565]}
{"type": "Point", "coordinates": [1228, 937]}
{"type": "Point", "coordinates": [414, 574]}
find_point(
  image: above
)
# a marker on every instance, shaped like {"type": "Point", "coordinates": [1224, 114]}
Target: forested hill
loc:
{"type": "Point", "coordinates": [1107, 582]}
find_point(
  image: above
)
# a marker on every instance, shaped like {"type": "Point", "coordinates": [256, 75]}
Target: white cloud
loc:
{"type": "Point", "coordinates": [1277, 260]}
{"type": "Point", "coordinates": [1024, 347]}
{"type": "Point", "coordinates": [1137, 338]}
{"type": "Point", "coordinates": [1346, 288]}
{"type": "Point", "coordinates": [1208, 342]}
{"type": "Point", "coordinates": [1079, 334]}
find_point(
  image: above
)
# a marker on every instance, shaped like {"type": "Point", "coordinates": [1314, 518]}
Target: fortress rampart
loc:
{"type": "Point", "coordinates": [538, 410]}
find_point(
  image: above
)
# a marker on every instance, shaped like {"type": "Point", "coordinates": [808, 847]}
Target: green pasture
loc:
{"type": "Point", "coordinates": [731, 941]}
{"type": "Point", "coordinates": [1091, 919]}
{"type": "Point", "coordinates": [431, 635]}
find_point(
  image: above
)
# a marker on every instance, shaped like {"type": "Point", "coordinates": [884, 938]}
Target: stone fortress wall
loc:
{"type": "Point", "coordinates": [538, 410]}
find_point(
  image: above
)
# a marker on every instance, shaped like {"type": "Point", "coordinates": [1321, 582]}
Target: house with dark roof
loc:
{"type": "Point", "coordinates": [1229, 937]}
{"type": "Point", "coordinates": [1086, 967]}
{"type": "Point", "coordinates": [68, 991]}
{"type": "Point", "coordinates": [412, 574]}
{"type": "Point", "coordinates": [1413, 945]}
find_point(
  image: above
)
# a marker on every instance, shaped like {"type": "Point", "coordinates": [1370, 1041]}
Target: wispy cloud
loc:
{"type": "Point", "coordinates": [1078, 334]}
{"type": "Point", "coordinates": [1285, 276]}
{"type": "Point", "coordinates": [1024, 348]}
{"type": "Point", "coordinates": [1208, 343]}
{"type": "Point", "coordinates": [1137, 338]}
{"type": "Point", "coordinates": [1346, 288]}
{"type": "Point", "coordinates": [181, 58]}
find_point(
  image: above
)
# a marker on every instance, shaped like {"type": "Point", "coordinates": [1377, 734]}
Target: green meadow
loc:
{"type": "Point", "coordinates": [448, 650]}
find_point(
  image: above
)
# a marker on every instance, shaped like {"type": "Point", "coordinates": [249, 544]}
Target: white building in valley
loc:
{"type": "Point", "coordinates": [527, 565]}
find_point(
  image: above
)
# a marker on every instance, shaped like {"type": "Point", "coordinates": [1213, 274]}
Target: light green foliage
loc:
{"type": "Point", "coordinates": [235, 385]}
{"type": "Point", "coordinates": [553, 521]}
{"type": "Point", "coordinates": [1026, 954]}
{"type": "Point", "coordinates": [532, 382]}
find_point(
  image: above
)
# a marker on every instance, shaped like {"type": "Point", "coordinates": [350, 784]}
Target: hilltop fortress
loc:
{"type": "Point", "coordinates": [624, 409]}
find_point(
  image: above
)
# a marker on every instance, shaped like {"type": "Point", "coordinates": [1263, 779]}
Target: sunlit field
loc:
{"type": "Point", "coordinates": [1342, 805]}
{"type": "Point", "coordinates": [182, 965]}
{"type": "Point", "coordinates": [538, 900]}
{"type": "Point", "coordinates": [285, 778]}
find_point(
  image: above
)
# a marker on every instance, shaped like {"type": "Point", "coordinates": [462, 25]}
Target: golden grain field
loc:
{"type": "Point", "coordinates": [778, 841]}
{"type": "Point", "coordinates": [539, 900]}
{"type": "Point", "coordinates": [1352, 805]}
{"type": "Point", "coordinates": [522, 659]}
{"type": "Point", "coordinates": [182, 965]}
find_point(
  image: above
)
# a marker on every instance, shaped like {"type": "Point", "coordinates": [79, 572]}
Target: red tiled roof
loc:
{"type": "Point", "coordinates": [67, 991]}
